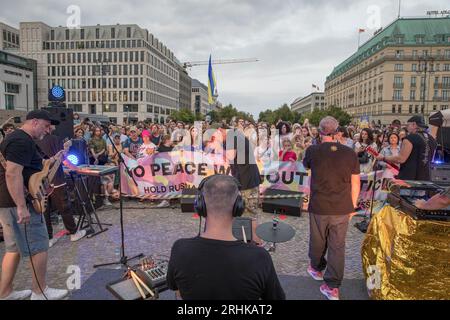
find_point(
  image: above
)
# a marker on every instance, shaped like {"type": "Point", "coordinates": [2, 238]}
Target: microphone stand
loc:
{"type": "Point", "coordinates": [123, 258]}
{"type": "Point", "coordinates": [364, 225]}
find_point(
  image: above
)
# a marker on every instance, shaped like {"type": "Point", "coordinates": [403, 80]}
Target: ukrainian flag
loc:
{"type": "Point", "coordinates": [212, 90]}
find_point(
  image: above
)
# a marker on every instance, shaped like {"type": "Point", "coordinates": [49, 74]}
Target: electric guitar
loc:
{"type": "Point", "coordinates": [375, 153]}
{"type": "Point", "coordinates": [40, 185]}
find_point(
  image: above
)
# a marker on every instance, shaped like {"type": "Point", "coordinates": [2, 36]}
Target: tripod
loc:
{"type": "Point", "coordinates": [123, 258]}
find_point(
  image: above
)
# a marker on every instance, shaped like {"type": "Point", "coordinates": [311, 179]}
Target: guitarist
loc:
{"type": "Point", "coordinates": [50, 146]}
{"type": "Point", "coordinates": [24, 230]}
{"type": "Point", "coordinates": [416, 152]}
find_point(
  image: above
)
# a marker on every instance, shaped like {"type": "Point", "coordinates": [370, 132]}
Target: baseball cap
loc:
{"type": "Point", "coordinates": [146, 133]}
{"type": "Point", "coordinates": [43, 115]}
{"type": "Point", "coordinates": [418, 120]}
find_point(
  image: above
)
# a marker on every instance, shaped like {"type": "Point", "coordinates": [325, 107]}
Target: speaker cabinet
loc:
{"type": "Point", "coordinates": [288, 206]}
{"type": "Point", "coordinates": [188, 199]}
{"type": "Point", "coordinates": [65, 117]}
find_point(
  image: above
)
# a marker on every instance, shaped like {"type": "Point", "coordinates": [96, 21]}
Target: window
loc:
{"type": "Point", "coordinates": [447, 54]}
{"type": "Point", "coordinates": [398, 95]}
{"type": "Point", "coordinates": [97, 33]}
{"type": "Point", "coordinates": [113, 33]}
{"type": "Point", "coordinates": [398, 80]}
{"type": "Point", "coordinates": [398, 67]}
{"type": "Point", "coordinates": [410, 108]}
{"type": "Point", "coordinates": [11, 88]}
{"type": "Point", "coordinates": [412, 95]}
{"type": "Point", "coordinates": [393, 108]}
{"type": "Point", "coordinates": [446, 82]}
{"type": "Point", "coordinates": [9, 102]}
{"type": "Point", "coordinates": [149, 108]}
{"type": "Point", "coordinates": [419, 39]}
{"type": "Point", "coordinates": [81, 33]}
{"type": "Point", "coordinates": [416, 109]}
{"type": "Point", "coordinates": [110, 108]}
{"type": "Point", "coordinates": [413, 81]}
{"type": "Point", "coordinates": [447, 67]}
{"type": "Point", "coordinates": [52, 34]}
{"type": "Point", "coordinates": [445, 95]}
{"type": "Point", "coordinates": [128, 32]}
{"type": "Point", "coordinates": [414, 67]}
{"type": "Point", "coordinates": [67, 34]}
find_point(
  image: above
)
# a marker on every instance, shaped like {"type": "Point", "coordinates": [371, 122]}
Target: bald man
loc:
{"type": "Point", "coordinates": [214, 265]}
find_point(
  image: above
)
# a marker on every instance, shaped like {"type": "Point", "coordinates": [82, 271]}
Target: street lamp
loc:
{"type": "Point", "coordinates": [101, 64]}
{"type": "Point", "coordinates": [426, 66]}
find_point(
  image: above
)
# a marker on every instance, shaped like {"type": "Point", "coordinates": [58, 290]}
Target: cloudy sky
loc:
{"type": "Point", "coordinates": [298, 42]}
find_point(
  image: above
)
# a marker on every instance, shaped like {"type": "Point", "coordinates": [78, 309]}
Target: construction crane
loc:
{"type": "Point", "coordinates": [203, 63]}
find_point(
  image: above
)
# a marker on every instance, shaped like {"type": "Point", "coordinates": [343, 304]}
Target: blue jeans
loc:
{"type": "Point", "coordinates": [34, 241]}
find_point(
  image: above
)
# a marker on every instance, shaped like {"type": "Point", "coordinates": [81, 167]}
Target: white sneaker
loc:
{"type": "Point", "coordinates": [52, 242]}
{"type": "Point", "coordinates": [163, 204]}
{"type": "Point", "coordinates": [50, 294]}
{"type": "Point", "coordinates": [106, 202]}
{"type": "Point", "coordinates": [18, 295]}
{"type": "Point", "coordinates": [78, 235]}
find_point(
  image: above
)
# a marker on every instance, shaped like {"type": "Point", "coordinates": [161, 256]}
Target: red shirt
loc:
{"type": "Point", "coordinates": [289, 155]}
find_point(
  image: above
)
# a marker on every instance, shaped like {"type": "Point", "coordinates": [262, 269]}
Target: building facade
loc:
{"type": "Point", "coordinates": [121, 71]}
{"type": "Point", "coordinates": [403, 70]}
{"type": "Point", "coordinates": [9, 37]}
{"type": "Point", "coordinates": [185, 88]}
{"type": "Point", "coordinates": [315, 100]}
{"type": "Point", "coordinates": [17, 87]}
{"type": "Point", "coordinates": [199, 102]}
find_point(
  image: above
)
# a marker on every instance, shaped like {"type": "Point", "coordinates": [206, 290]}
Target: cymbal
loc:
{"type": "Point", "coordinates": [282, 233]}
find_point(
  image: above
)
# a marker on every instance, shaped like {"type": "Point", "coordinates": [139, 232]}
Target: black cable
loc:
{"type": "Point", "coordinates": [200, 226]}
{"type": "Point", "coordinates": [31, 260]}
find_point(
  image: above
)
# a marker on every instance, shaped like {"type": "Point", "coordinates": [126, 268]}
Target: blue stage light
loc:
{"type": "Point", "coordinates": [73, 159]}
{"type": "Point", "coordinates": [58, 92]}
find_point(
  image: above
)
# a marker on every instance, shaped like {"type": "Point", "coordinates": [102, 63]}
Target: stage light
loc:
{"type": "Point", "coordinates": [56, 94]}
{"type": "Point", "coordinates": [73, 159]}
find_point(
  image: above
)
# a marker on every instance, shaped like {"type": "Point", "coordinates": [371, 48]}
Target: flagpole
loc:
{"type": "Point", "coordinates": [359, 38]}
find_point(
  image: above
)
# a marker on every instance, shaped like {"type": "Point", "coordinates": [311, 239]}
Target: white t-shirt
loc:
{"type": "Point", "coordinates": [144, 149]}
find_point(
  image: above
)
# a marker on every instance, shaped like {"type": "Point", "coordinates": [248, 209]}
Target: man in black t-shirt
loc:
{"type": "Point", "coordinates": [215, 266]}
{"type": "Point", "coordinates": [335, 186]}
{"type": "Point", "coordinates": [416, 153]}
{"type": "Point", "coordinates": [241, 157]}
{"type": "Point", "coordinates": [24, 229]}
{"type": "Point", "coordinates": [50, 145]}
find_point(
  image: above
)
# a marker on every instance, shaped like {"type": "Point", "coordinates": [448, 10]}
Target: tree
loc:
{"type": "Point", "coordinates": [314, 117]}
{"type": "Point", "coordinates": [184, 115]}
{"type": "Point", "coordinates": [284, 113]}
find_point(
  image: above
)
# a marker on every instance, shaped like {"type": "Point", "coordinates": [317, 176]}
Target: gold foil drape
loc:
{"type": "Point", "coordinates": [405, 258]}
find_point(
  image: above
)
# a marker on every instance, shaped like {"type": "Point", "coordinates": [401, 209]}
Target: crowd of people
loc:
{"type": "Point", "coordinates": [335, 155]}
{"type": "Point", "coordinates": [283, 141]}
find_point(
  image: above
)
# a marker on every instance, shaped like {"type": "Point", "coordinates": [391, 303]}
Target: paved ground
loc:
{"type": "Point", "coordinates": [153, 231]}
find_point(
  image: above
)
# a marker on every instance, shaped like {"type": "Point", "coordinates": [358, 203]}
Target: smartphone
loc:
{"type": "Point", "coordinates": [17, 120]}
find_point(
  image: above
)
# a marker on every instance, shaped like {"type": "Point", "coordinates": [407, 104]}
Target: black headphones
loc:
{"type": "Point", "coordinates": [200, 205]}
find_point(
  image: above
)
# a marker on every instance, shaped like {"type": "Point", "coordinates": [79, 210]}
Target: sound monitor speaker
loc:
{"type": "Point", "coordinates": [287, 206]}
{"type": "Point", "coordinates": [65, 117]}
{"type": "Point", "coordinates": [187, 204]}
